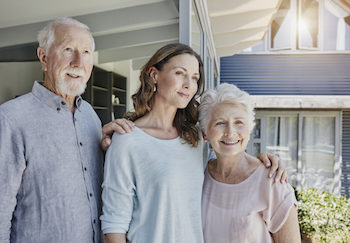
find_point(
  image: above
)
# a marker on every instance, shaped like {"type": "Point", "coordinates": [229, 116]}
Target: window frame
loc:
{"type": "Point", "coordinates": [300, 114]}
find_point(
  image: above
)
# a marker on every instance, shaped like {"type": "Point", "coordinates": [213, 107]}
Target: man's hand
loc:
{"type": "Point", "coordinates": [120, 126]}
{"type": "Point", "coordinates": [267, 160]}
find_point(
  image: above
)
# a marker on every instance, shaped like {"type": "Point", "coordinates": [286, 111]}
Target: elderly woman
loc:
{"type": "Point", "coordinates": [239, 202]}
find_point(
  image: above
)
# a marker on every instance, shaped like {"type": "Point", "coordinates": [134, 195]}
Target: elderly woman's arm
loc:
{"type": "Point", "coordinates": [115, 238]}
{"type": "Point", "coordinates": [290, 230]}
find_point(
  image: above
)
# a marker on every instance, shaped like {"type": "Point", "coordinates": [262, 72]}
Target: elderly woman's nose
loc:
{"type": "Point", "coordinates": [230, 130]}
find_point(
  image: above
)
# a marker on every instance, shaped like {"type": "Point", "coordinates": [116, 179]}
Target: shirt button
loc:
{"type": "Point", "coordinates": [75, 119]}
{"type": "Point", "coordinates": [58, 109]}
{"type": "Point", "coordinates": [81, 144]}
{"type": "Point", "coordinates": [85, 169]}
{"type": "Point", "coordinates": [94, 221]}
{"type": "Point", "coordinates": [63, 103]}
{"type": "Point", "coordinates": [90, 194]}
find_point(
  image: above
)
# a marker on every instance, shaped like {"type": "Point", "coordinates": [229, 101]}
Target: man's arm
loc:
{"type": "Point", "coordinates": [12, 165]}
{"type": "Point", "coordinates": [120, 126]}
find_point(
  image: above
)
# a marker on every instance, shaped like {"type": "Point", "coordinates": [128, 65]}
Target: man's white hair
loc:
{"type": "Point", "coordinates": [224, 93]}
{"type": "Point", "coordinates": [46, 36]}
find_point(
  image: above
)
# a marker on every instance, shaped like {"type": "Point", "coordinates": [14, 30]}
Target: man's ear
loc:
{"type": "Point", "coordinates": [42, 57]}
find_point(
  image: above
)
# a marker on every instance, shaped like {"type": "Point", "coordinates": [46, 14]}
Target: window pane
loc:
{"type": "Point", "coordinates": [318, 151]}
{"type": "Point", "coordinates": [282, 140]}
{"type": "Point", "coordinates": [308, 24]}
{"type": "Point", "coordinates": [256, 130]}
{"type": "Point", "coordinates": [281, 27]}
{"type": "Point", "coordinates": [256, 149]}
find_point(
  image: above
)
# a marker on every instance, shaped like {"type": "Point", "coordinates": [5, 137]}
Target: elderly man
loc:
{"type": "Point", "coordinates": [50, 156]}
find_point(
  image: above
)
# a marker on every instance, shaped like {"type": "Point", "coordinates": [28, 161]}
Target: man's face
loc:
{"type": "Point", "coordinates": [70, 60]}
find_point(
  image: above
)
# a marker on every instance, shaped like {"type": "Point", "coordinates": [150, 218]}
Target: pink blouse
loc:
{"type": "Point", "coordinates": [246, 212]}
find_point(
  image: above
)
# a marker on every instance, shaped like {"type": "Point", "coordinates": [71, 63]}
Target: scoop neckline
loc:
{"type": "Point", "coordinates": [233, 185]}
{"type": "Point", "coordinates": [155, 138]}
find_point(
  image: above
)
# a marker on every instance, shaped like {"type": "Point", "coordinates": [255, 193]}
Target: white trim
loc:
{"type": "Point", "coordinates": [204, 20]}
{"type": "Point", "coordinates": [301, 102]}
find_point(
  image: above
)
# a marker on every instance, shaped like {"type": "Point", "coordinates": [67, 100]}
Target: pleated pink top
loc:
{"type": "Point", "coordinates": [246, 212]}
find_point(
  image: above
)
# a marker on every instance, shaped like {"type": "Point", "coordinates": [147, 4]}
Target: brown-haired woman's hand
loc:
{"type": "Point", "coordinates": [120, 126]}
{"type": "Point", "coordinates": [274, 162]}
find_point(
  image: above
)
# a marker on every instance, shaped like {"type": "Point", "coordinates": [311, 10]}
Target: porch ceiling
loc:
{"type": "Point", "coordinates": [123, 29]}
{"type": "Point", "coordinates": [134, 29]}
{"type": "Point", "coordinates": [239, 24]}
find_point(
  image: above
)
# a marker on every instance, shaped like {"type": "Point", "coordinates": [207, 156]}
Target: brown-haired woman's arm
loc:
{"type": "Point", "coordinates": [115, 238]}
{"type": "Point", "coordinates": [274, 162]}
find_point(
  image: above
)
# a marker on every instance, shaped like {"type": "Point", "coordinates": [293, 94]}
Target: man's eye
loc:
{"type": "Point", "coordinates": [239, 122]}
{"type": "Point", "coordinates": [87, 52]}
{"type": "Point", "coordinates": [67, 49]}
{"type": "Point", "coordinates": [220, 123]}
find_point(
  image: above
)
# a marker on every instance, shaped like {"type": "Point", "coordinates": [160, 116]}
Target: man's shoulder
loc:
{"type": "Point", "coordinates": [17, 106]}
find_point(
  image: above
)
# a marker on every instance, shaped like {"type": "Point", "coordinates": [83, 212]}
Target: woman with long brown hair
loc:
{"type": "Point", "coordinates": [153, 175]}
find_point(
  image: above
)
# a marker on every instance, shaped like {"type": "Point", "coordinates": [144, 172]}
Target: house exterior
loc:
{"type": "Point", "coordinates": [301, 89]}
{"type": "Point", "coordinates": [127, 33]}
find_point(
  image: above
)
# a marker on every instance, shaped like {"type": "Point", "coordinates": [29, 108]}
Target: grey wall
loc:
{"type": "Point", "coordinates": [16, 78]}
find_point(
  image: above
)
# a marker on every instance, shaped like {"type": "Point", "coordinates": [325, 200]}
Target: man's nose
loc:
{"type": "Point", "coordinates": [76, 61]}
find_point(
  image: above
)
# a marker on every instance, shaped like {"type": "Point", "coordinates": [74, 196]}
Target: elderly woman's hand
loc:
{"type": "Point", "coordinates": [275, 163]}
{"type": "Point", "coordinates": [120, 126]}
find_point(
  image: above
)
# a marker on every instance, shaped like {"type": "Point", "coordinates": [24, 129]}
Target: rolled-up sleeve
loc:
{"type": "Point", "coordinates": [118, 193]}
{"type": "Point", "coordinates": [281, 200]}
{"type": "Point", "coordinates": [12, 165]}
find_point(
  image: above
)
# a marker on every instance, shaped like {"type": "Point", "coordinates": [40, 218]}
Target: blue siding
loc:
{"type": "Point", "coordinates": [288, 74]}
{"type": "Point", "coordinates": [345, 179]}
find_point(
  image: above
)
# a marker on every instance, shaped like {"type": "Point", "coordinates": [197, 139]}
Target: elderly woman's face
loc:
{"type": "Point", "coordinates": [228, 129]}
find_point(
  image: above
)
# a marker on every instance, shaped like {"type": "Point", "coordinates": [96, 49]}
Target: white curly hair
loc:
{"type": "Point", "coordinates": [224, 93]}
{"type": "Point", "coordinates": [46, 36]}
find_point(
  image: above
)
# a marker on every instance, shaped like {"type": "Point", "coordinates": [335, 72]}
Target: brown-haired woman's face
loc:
{"type": "Point", "coordinates": [177, 82]}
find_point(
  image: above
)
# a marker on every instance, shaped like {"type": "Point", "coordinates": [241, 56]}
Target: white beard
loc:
{"type": "Point", "coordinates": [71, 88]}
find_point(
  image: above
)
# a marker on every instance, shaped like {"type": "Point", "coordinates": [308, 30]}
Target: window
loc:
{"type": "Point", "coordinates": [281, 26]}
{"type": "Point", "coordinates": [296, 25]}
{"type": "Point", "coordinates": [307, 143]}
{"type": "Point", "coordinates": [308, 24]}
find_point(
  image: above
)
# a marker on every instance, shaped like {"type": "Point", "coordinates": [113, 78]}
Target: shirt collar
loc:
{"type": "Point", "coordinates": [51, 99]}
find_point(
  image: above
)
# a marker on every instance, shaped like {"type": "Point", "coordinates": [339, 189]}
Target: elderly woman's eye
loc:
{"type": "Point", "coordinates": [220, 123]}
{"type": "Point", "coordinates": [67, 49]}
{"type": "Point", "coordinates": [239, 122]}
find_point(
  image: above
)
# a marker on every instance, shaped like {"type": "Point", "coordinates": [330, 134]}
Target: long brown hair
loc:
{"type": "Point", "coordinates": [185, 119]}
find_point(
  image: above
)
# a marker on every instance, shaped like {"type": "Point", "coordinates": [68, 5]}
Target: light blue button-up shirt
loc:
{"type": "Point", "coordinates": [50, 170]}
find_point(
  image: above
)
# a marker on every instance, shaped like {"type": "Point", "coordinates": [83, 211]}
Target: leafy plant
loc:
{"type": "Point", "coordinates": [324, 215]}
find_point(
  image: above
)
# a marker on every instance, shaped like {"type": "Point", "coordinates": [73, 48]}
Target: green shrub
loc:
{"type": "Point", "coordinates": [324, 215]}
